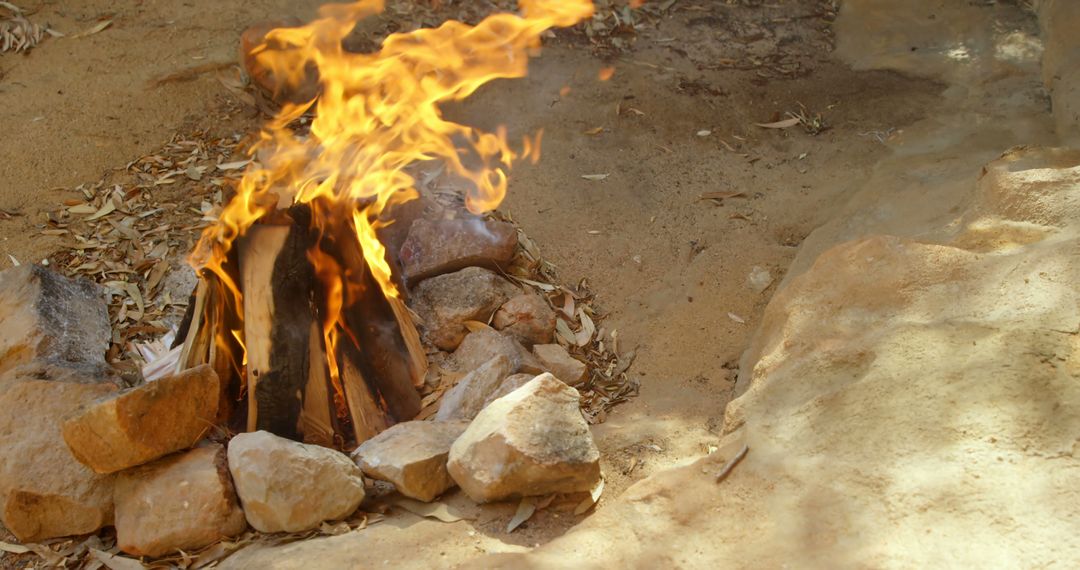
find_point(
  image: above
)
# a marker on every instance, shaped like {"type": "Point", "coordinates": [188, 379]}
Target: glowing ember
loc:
{"type": "Point", "coordinates": [375, 115]}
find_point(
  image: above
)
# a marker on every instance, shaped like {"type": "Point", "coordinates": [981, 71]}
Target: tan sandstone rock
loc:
{"type": "Point", "coordinates": [444, 303]}
{"type": "Point", "coordinates": [182, 502]}
{"type": "Point", "coordinates": [412, 456]}
{"type": "Point", "coordinates": [146, 422]}
{"type": "Point", "coordinates": [467, 397]}
{"type": "Point", "coordinates": [528, 318]}
{"type": "Point", "coordinates": [532, 441]}
{"type": "Point", "coordinates": [512, 382]}
{"type": "Point", "coordinates": [561, 364]}
{"type": "Point", "coordinates": [286, 486]}
{"type": "Point", "coordinates": [46, 493]}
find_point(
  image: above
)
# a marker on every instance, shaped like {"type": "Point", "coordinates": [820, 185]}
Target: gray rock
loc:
{"type": "Point", "coordinates": [45, 492]}
{"type": "Point", "coordinates": [446, 302]}
{"type": "Point", "coordinates": [412, 456]}
{"type": "Point", "coordinates": [51, 320]}
{"type": "Point", "coordinates": [528, 318]}
{"type": "Point", "coordinates": [561, 364]}
{"type": "Point", "coordinates": [511, 383]}
{"type": "Point", "coordinates": [286, 486]}
{"type": "Point", "coordinates": [467, 397]}
{"type": "Point", "coordinates": [532, 441]}
{"type": "Point", "coordinates": [436, 247]}
{"type": "Point", "coordinates": [482, 345]}
{"type": "Point", "coordinates": [182, 502]}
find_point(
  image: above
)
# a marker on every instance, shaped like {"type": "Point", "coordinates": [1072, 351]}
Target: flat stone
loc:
{"type": "Point", "coordinates": [561, 364]}
{"type": "Point", "coordinates": [446, 302]}
{"type": "Point", "coordinates": [512, 382]}
{"type": "Point", "coordinates": [528, 318]}
{"type": "Point", "coordinates": [412, 456]}
{"type": "Point", "coordinates": [182, 502]}
{"type": "Point", "coordinates": [50, 319]}
{"type": "Point", "coordinates": [467, 397]}
{"type": "Point", "coordinates": [533, 441]}
{"type": "Point", "coordinates": [435, 247]}
{"type": "Point", "coordinates": [482, 345]}
{"type": "Point", "coordinates": [144, 423]}
{"type": "Point", "coordinates": [286, 486]}
{"type": "Point", "coordinates": [46, 493]}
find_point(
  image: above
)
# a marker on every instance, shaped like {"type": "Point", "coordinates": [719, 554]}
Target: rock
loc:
{"type": "Point", "coordinates": [182, 502]}
{"type": "Point", "coordinates": [146, 422]}
{"type": "Point", "coordinates": [482, 345]}
{"type": "Point", "coordinates": [281, 90]}
{"type": "Point", "coordinates": [532, 441]}
{"type": "Point", "coordinates": [511, 383]}
{"type": "Point", "coordinates": [412, 456]}
{"type": "Point", "coordinates": [561, 364]}
{"type": "Point", "coordinates": [46, 493]}
{"type": "Point", "coordinates": [286, 486]}
{"type": "Point", "coordinates": [435, 247]}
{"type": "Point", "coordinates": [52, 320]}
{"type": "Point", "coordinates": [467, 397]}
{"type": "Point", "coordinates": [528, 318]}
{"type": "Point", "coordinates": [446, 302]}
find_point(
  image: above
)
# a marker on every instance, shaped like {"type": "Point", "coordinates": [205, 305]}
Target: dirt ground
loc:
{"type": "Point", "coordinates": [678, 120]}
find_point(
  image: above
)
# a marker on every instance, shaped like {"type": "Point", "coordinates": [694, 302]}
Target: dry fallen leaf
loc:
{"type": "Point", "coordinates": [595, 176]}
{"type": "Point", "coordinates": [526, 509]}
{"type": "Point", "coordinates": [720, 195]}
{"type": "Point", "coordinates": [594, 131]}
{"type": "Point", "coordinates": [588, 502]}
{"type": "Point", "coordinates": [100, 26]}
{"type": "Point", "coordinates": [437, 510]}
{"type": "Point", "coordinates": [786, 123]}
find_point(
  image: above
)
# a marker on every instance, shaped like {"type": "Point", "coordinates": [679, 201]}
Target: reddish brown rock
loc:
{"type": "Point", "coordinates": [482, 345]}
{"type": "Point", "coordinates": [182, 502]}
{"type": "Point", "coordinates": [467, 397]}
{"type": "Point", "coordinates": [561, 364]}
{"type": "Point", "coordinates": [528, 318]}
{"type": "Point", "coordinates": [435, 247]}
{"type": "Point", "coordinates": [50, 320]}
{"type": "Point", "coordinates": [445, 303]}
{"type": "Point", "coordinates": [45, 492]}
{"type": "Point", "coordinates": [532, 441]}
{"type": "Point", "coordinates": [144, 423]}
{"type": "Point", "coordinates": [412, 456]}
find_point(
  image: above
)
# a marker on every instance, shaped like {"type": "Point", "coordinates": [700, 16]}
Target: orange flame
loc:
{"type": "Point", "coordinates": [375, 116]}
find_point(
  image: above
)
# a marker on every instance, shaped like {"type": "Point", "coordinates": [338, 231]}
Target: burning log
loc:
{"type": "Point", "coordinates": [310, 343]}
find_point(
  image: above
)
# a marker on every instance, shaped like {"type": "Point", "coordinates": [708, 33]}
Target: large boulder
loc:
{"type": "Point", "coordinates": [445, 303]}
{"type": "Point", "coordinates": [45, 492]}
{"type": "Point", "coordinates": [435, 247]}
{"type": "Point", "coordinates": [532, 441]}
{"type": "Point", "coordinates": [286, 486]}
{"type": "Point", "coordinates": [182, 502]}
{"type": "Point", "coordinates": [467, 397]}
{"type": "Point", "coordinates": [412, 456]}
{"type": "Point", "coordinates": [146, 422]}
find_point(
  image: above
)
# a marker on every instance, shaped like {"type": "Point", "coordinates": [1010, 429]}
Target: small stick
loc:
{"type": "Point", "coordinates": [732, 463]}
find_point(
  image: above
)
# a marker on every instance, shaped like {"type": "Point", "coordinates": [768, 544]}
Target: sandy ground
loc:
{"type": "Point", "coordinates": [670, 268]}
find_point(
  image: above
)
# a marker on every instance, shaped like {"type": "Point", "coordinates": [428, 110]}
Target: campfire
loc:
{"type": "Point", "coordinates": [299, 308]}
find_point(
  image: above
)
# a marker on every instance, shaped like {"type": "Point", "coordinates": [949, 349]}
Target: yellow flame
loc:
{"type": "Point", "coordinates": [376, 115]}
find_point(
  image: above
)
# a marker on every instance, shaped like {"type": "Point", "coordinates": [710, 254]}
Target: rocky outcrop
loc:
{"type": "Point", "coordinates": [46, 493]}
{"type": "Point", "coordinates": [182, 502]}
{"type": "Point", "coordinates": [565, 367]}
{"type": "Point", "coordinates": [146, 422]}
{"type": "Point", "coordinates": [531, 442]}
{"type": "Point", "coordinates": [286, 486]}
{"type": "Point", "coordinates": [445, 303]}
{"type": "Point", "coordinates": [412, 456]}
